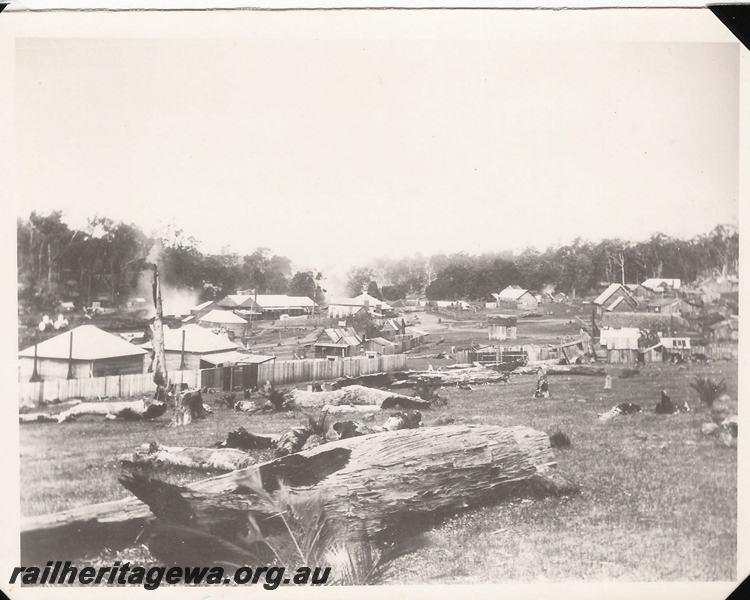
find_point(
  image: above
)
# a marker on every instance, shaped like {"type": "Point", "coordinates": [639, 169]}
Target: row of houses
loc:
{"type": "Point", "coordinates": [87, 351]}
{"type": "Point", "coordinates": [654, 321]}
{"type": "Point", "coordinates": [393, 337]}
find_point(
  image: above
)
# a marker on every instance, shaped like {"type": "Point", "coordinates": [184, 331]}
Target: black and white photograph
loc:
{"type": "Point", "coordinates": [387, 298]}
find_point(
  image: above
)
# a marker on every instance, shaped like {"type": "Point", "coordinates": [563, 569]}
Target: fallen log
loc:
{"type": "Point", "coordinates": [349, 408]}
{"type": "Point", "coordinates": [473, 375]}
{"type": "Point", "coordinates": [375, 481]}
{"type": "Point", "coordinates": [128, 410]}
{"type": "Point", "coordinates": [202, 459]}
{"type": "Point", "coordinates": [36, 418]}
{"type": "Point", "coordinates": [376, 380]}
{"type": "Point", "coordinates": [407, 419]}
{"type": "Point", "coordinates": [356, 395]}
{"type": "Point", "coordinates": [561, 370]}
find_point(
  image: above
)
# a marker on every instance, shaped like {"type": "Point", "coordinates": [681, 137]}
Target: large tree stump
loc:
{"type": "Point", "coordinates": [377, 482]}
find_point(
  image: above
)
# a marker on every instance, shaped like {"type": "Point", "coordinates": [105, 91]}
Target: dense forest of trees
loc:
{"type": "Point", "coordinates": [576, 269]}
{"type": "Point", "coordinates": [107, 259]}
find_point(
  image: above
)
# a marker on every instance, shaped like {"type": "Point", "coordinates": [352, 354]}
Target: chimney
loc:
{"type": "Point", "coordinates": [365, 297]}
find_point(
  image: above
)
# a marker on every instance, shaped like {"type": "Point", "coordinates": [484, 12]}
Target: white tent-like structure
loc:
{"type": "Point", "coordinates": [84, 351]}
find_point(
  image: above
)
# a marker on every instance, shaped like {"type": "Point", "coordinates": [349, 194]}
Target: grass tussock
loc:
{"type": "Point", "coordinates": [559, 439]}
{"type": "Point", "coordinates": [708, 389]}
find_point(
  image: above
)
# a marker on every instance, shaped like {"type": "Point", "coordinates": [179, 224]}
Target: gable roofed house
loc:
{"type": "Point", "coordinates": [84, 351]}
{"type": "Point", "coordinates": [337, 341]}
{"type": "Point", "coordinates": [391, 328]}
{"type": "Point", "coordinates": [340, 308]}
{"type": "Point", "coordinates": [199, 310]}
{"type": "Point", "coordinates": [199, 341]}
{"type": "Point", "coordinates": [310, 338]}
{"type": "Point", "coordinates": [516, 297]}
{"type": "Point", "coordinates": [235, 301]}
{"type": "Point", "coordinates": [269, 306]}
{"type": "Point", "coordinates": [615, 298]}
{"type": "Point", "coordinates": [661, 285]}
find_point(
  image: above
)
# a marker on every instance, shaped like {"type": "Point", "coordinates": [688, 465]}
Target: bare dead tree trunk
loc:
{"type": "Point", "coordinates": [159, 365]}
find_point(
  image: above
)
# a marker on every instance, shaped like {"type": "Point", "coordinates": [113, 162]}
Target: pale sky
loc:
{"type": "Point", "coordinates": [334, 151]}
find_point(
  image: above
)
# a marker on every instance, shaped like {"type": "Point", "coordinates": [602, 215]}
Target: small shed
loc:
{"type": "Point", "coordinates": [380, 345]}
{"type": "Point", "coordinates": [502, 327]}
{"type": "Point", "coordinates": [652, 354]}
{"type": "Point", "coordinates": [84, 351]}
{"type": "Point", "coordinates": [621, 344]}
{"type": "Point", "coordinates": [233, 357]}
{"type": "Point", "coordinates": [185, 347]}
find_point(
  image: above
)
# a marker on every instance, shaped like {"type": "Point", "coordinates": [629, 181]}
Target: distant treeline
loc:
{"type": "Point", "coordinates": [576, 269]}
{"type": "Point", "coordinates": [109, 259]}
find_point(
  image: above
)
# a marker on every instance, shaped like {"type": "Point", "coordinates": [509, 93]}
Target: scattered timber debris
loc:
{"type": "Point", "coordinates": [533, 368]}
{"type": "Point", "coordinates": [624, 408]}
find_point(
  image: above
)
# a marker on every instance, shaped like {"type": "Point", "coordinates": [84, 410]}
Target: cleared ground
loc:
{"type": "Point", "coordinates": [658, 500]}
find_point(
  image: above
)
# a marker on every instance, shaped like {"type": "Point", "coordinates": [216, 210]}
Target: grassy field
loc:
{"type": "Point", "coordinates": [658, 500]}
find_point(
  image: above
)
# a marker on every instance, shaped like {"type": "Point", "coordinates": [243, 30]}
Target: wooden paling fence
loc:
{"type": "Point", "coordinates": [93, 388]}
{"type": "Point", "coordinates": [227, 378]}
{"type": "Point", "coordinates": [507, 354]}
